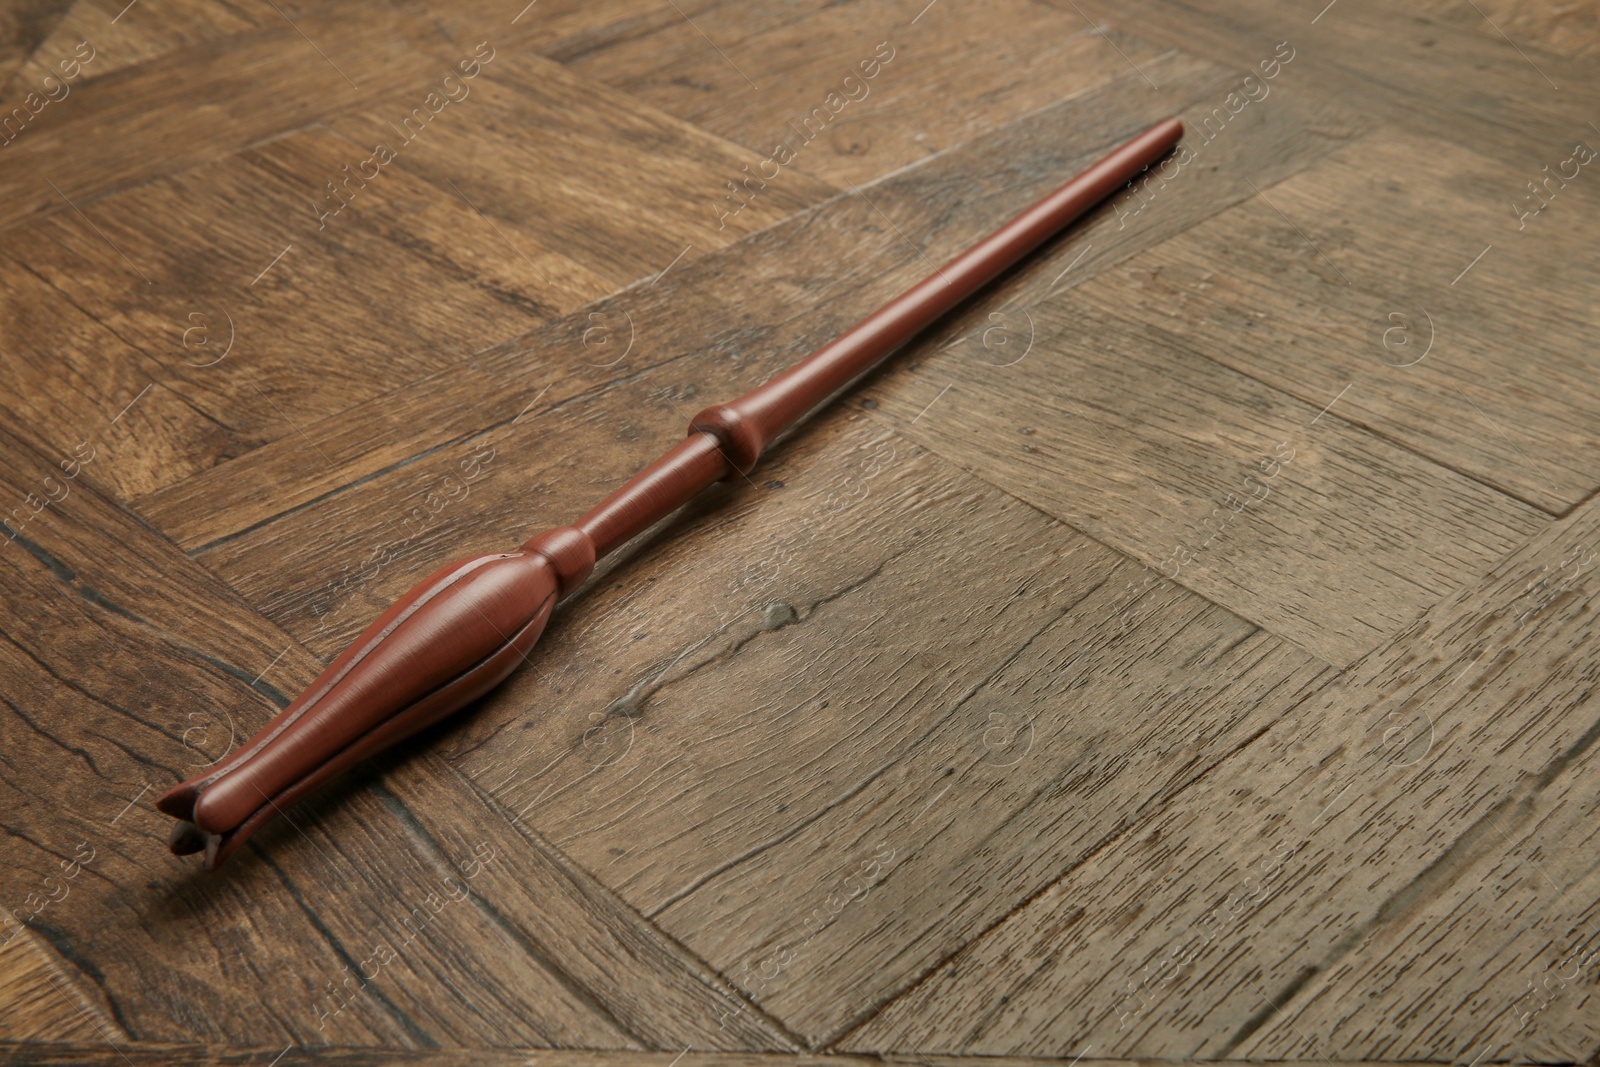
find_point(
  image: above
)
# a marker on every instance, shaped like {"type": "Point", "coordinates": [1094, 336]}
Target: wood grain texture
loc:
{"type": "Point", "coordinates": [813, 95]}
{"type": "Point", "coordinates": [769, 298]}
{"type": "Point", "coordinates": [1509, 906]}
{"type": "Point", "coordinates": [128, 36]}
{"type": "Point", "coordinates": [84, 579]}
{"type": "Point", "coordinates": [897, 751]}
{"type": "Point", "coordinates": [125, 37]}
{"type": "Point", "coordinates": [1567, 29]}
{"type": "Point", "coordinates": [242, 286]}
{"type": "Point", "coordinates": [559, 183]}
{"type": "Point", "coordinates": [42, 1005]}
{"type": "Point", "coordinates": [142, 122]}
{"type": "Point", "coordinates": [653, 989]}
{"type": "Point", "coordinates": [1412, 71]}
{"type": "Point", "coordinates": [1422, 273]}
{"type": "Point", "coordinates": [57, 1055]}
{"type": "Point", "coordinates": [267, 259]}
{"type": "Point", "coordinates": [1028, 773]}
{"type": "Point", "coordinates": [23, 27]}
{"type": "Point", "coordinates": [79, 383]}
{"type": "Point", "coordinates": [1396, 824]}
{"type": "Point", "coordinates": [1295, 519]}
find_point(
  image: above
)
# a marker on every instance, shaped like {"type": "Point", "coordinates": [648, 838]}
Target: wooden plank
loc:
{"type": "Point", "coordinates": [1568, 29]}
{"type": "Point", "coordinates": [761, 301]}
{"type": "Point", "coordinates": [569, 30]}
{"type": "Point", "coordinates": [1458, 326]}
{"type": "Point", "coordinates": [655, 991]}
{"type": "Point", "coordinates": [142, 122]}
{"type": "Point", "coordinates": [41, 1004]}
{"type": "Point", "coordinates": [23, 27]}
{"type": "Point", "coordinates": [1495, 949]}
{"type": "Point", "coordinates": [138, 121]}
{"type": "Point", "coordinates": [75, 382]}
{"type": "Point", "coordinates": [1048, 751]}
{"type": "Point", "coordinates": [128, 667]}
{"type": "Point", "coordinates": [856, 91]}
{"type": "Point", "coordinates": [1361, 881]}
{"type": "Point", "coordinates": [1508, 946]}
{"type": "Point", "coordinates": [58, 1055]}
{"type": "Point", "coordinates": [1410, 71]}
{"type": "Point", "coordinates": [536, 150]}
{"type": "Point", "coordinates": [141, 35]}
{"type": "Point", "coordinates": [265, 258]}
{"type": "Point", "coordinates": [243, 285]}
{"type": "Point", "coordinates": [125, 38]}
{"type": "Point", "coordinates": [434, 225]}
{"type": "Point", "coordinates": [1294, 518]}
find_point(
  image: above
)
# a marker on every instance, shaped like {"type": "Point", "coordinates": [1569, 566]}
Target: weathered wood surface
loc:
{"type": "Point", "coordinates": [42, 1003]}
{"type": "Point", "coordinates": [56, 1055]}
{"type": "Point", "coordinates": [857, 91]}
{"type": "Point", "coordinates": [1303, 524]}
{"type": "Point", "coordinates": [770, 298]}
{"type": "Point", "coordinates": [107, 668]}
{"type": "Point", "coordinates": [1433, 351]}
{"type": "Point", "coordinates": [1185, 652]}
{"type": "Point", "coordinates": [1566, 29]}
{"type": "Point", "coordinates": [1408, 850]}
{"type": "Point", "coordinates": [1429, 76]}
{"type": "Point", "coordinates": [23, 28]}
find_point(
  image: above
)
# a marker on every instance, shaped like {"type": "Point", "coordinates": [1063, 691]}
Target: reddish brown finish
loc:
{"type": "Point", "coordinates": [441, 646]}
{"type": "Point", "coordinates": [459, 633]}
{"type": "Point", "coordinates": [655, 492]}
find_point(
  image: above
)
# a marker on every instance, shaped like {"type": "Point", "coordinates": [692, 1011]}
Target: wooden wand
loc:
{"type": "Point", "coordinates": [458, 634]}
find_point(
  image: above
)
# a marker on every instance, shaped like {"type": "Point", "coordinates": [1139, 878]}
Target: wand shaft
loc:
{"type": "Point", "coordinates": [739, 431]}
{"type": "Point", "coordinates": [468, 625]}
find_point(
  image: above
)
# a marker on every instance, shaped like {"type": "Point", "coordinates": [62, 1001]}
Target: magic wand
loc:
{"type": "Point", "coordinates": [467, 626]}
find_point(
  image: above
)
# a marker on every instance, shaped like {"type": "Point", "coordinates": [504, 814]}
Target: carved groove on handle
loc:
{"type": "Point", "coordinates": [447, 642]}
{"type": "Point", "coordinates": [456, 694]}
{"type": "Point", "coordinates": [335, 673]}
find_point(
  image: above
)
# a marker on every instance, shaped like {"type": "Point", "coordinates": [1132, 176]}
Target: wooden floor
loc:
{"type": "Point", "coordinates": [1187, 651]}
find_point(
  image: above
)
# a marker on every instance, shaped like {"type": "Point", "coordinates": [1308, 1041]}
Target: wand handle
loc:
{"type": "Point", "coordinates": [468, 625]}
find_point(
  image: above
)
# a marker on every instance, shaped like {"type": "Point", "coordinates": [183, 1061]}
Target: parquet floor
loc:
{"type": "Point", "coordinates": [1185, 652]}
